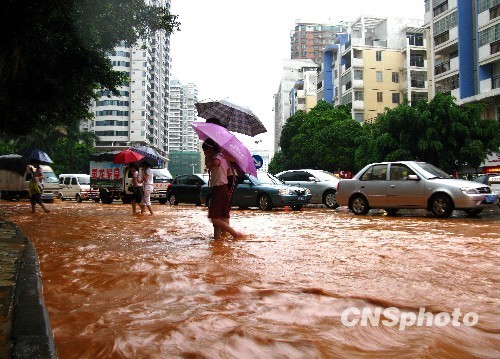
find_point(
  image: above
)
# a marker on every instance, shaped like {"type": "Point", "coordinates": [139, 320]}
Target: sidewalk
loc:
{"type": "Point", "coordinates": [25, 330]}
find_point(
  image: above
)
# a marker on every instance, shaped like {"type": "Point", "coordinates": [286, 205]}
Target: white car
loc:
{"type": "Point", "coordinates": [322, 184]}
{"type": "Point", "coordinates": [412, 185]}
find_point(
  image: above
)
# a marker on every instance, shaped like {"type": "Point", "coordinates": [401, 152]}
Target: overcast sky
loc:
{"type": "Point", "coordinates": [234, 49]}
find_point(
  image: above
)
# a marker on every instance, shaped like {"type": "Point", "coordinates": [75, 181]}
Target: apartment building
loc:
{"type": "Point", "coordinates": [138, 117]}
{"type": "Point", "coordinates": [308, 39]}
{"type": "Point", "coordinates": [465, 50]}
{"type": "Point", "coordinates": [304, 94]}
{"type": "Point", "coordinates": [292, 72]}
{"type": "Point", "coordinates": [182, 112]}
{"type": "Point", "coordinates": [380, 62]}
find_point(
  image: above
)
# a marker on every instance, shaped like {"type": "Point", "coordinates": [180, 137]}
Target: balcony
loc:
{"type": "Point", "coordinates": [358, 105]}
{"type": "Point", "coordinates": [356, 84]}
{"type": "Point", "coordinates": [357, 62]}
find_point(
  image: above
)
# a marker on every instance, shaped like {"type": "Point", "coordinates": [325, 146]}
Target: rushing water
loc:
{"type": "Point", "coordinates": [123, 286]}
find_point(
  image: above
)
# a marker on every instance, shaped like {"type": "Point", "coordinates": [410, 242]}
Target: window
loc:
{"type": "Point", "coordinates": [379, 97]}
{"type": "Point", "coordinates": [358, 96]}
{"type": "Point", "coordinates": [379, 76]}
{"type": "Point", "coordinates": [358, 74]}
{"type": "Point", "coordinates": [395, 98]}
{"type": "Point", "coordinates": [400, 172]}
{"type": "Point", "coordinates": [375, 173]}
{"type": "Point", "coordinates": [378, 55]}
{"type": "Point", "coordinates": [395, 77]}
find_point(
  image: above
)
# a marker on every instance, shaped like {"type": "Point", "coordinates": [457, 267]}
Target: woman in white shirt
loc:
{"type": "Point", "coordinates": [147, 184]}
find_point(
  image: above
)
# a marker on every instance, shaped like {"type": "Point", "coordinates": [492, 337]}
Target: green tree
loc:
{"type": "Point", "coordinates": [53, 56]}
{"type": "Point", "coordinates": [324, 138]}
{"type": "Point", "coordinates": [439, 132]}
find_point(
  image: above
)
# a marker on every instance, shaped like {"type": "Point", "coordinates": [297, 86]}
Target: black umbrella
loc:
{"type": "Point", "coordinates": [34, 154]}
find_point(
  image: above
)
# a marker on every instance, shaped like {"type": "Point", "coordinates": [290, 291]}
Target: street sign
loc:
{"type": "Point", "coordinates": [258, 161]}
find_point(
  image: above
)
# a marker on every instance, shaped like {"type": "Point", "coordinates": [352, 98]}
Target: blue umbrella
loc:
{"type": "Point", "coordinates": [148, 152]}
{"type": "Point", "coordinates": [34, 154]}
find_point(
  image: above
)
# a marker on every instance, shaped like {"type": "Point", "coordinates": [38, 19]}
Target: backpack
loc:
{"type": "Point", "coordinates": [34, 187]}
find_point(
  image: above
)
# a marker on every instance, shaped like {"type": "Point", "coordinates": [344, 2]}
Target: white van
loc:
{"type": "Point", "coordinates": [77, 187]}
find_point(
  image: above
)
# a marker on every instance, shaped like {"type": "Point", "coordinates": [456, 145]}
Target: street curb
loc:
{"type": "Point", "coordinates": [30, 332]}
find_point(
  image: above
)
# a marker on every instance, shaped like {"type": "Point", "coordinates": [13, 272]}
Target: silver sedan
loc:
{"type": "Point", "coordinates": [412, 185]}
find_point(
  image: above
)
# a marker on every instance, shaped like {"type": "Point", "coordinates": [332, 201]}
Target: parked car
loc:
{"type": "Point", "coordinates": [322, 184]}
{"type": "Point", "coordinates": [265, 192]}
{"type": "Point", "coordinates": [492, 180]}
{"type": "Point", "coordinates": [77, 187]}
{"type": "Point", "coordinates": [410, 184]}
{"type": "Point", "coordinates": [186, 188]}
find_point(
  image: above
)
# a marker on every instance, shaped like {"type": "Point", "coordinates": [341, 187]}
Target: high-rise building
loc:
{"type": "Point", "coordinates": [292, 72]}
{"type": "Point", "coordinates": [180, 135]}
{"type": "Point", "coordinates": [138, 117]}
{"type": "Point", "coordinates": [465, 50]}
{"type": "Point", "coordinates": [380, 63]}
{"type": "Point", "coordinates": [308, 39]}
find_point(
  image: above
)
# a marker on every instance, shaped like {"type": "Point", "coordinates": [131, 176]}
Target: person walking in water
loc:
{"type": "Point", "coordinates": [136, 195]}
{"type": "Point", "coordinates": [147, 185]}
{"type": "Point", "coordinates": [218, 210]}
{"type": "Point", "coordinates": [36, 186]}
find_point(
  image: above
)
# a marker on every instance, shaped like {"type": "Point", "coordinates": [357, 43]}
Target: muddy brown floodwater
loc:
{"type": "Point", "coordinates": [299, 286]}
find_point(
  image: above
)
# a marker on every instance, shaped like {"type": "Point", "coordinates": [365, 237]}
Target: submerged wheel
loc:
{"type": "Point", "coordinates": [441, 206]}
{"type": "Point", "coordinates": [359, 205]}
{"type": "Point", "coordinates": [391, 211]}
{"type": "Point", "coordinates": [297, 207]}
{"type": "Point", "coordinates": [78, 198]}
{"type": "Point", "coordinates": [265, 203]}
{"type": "Point", "coordinates": [173, 200]}
{"type": "Point", "coordinates": [330, 199]}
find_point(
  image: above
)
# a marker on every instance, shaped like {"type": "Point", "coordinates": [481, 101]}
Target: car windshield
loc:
{"type": "Point", "coordinates": [265, 178]}
{"type": "Point", "coordinates": [433, 171]}
{"type": "Point", "coordinates": [84, 180]}
{"type": "Point", "coordinates": [50, 177]}
{"type": "Point", "coordinates": [161, 173]}
{"type": "Point", "coordinates": [324, 176]}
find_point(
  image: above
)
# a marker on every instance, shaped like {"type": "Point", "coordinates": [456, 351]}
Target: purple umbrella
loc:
{"type": "Point", "coordinates": [228, 144]}
{"type": "Point", "coordinates": [34, 154]}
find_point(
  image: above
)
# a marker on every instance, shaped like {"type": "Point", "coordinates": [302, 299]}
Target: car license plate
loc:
{"type": "Point", "coordinates": [302, 198]}
{"type": "Point", "coordinates": [490, 199]}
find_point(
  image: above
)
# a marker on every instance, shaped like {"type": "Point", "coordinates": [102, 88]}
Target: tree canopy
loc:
{"type": "Point", "coordinates": [324, 138]}
{"type": "Point", "coordinates": [53, 56]}
{"type": "Point", "coordinates": [439, 132]}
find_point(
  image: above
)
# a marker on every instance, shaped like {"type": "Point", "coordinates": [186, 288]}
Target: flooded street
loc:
{"type": "Point", "coordinates": [123, 286]}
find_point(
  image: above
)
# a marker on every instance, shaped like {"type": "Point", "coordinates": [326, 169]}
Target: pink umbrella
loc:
{"type": "Point", "coordinates": [228, 144]}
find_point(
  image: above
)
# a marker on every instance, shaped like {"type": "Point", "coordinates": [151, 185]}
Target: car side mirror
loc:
{"type": "Point", "coordinates": [413, 178]}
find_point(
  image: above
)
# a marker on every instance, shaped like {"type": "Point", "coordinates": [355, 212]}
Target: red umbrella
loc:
{"type": "Point", "coordinates": [127, 156]}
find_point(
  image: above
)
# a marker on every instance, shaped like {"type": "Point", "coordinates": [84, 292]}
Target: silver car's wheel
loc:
{"type": "Point", "coordinates": [265, 203]}
{"type": "Point", "coordinates": [441, 206]}
{"type": "Point", "coordinates": [330, 199]}
{"type": "Point", "coordinates": [78, 198]}
{"type": "Point", "coordinates": [359, 205]}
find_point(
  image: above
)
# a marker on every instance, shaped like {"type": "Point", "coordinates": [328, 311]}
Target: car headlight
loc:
{"type": "Point", "coordinates": [469, 190]}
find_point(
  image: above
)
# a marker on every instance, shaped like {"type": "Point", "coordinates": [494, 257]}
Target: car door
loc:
{"type": "Point", "coordinates": [193, 187]}
{"type": "Point", "coordinates": [65, 188]}
{"type": "Point", "coordinates": [403, 192]}
{"type": "Point", "coordinates": [306, 180]}
{"type": "Point", "coordinates": [245, 195]}
{"type": "Point", "coordinates": [373, 184]}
